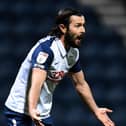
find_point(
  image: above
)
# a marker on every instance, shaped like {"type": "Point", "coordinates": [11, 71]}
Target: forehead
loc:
{"type": "Point", "coordinates": [77, 19]}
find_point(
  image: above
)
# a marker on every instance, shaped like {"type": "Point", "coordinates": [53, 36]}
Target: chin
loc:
{"type": "Point", "coordinates": [77, 44]}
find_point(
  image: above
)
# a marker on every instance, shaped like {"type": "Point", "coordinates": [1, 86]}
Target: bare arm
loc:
{"type": "Point", "coordinates": [37, 80]}
{"type": "Point", "coordinates": [84, 91]}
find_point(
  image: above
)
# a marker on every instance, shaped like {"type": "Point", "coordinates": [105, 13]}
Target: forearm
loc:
{"type": "Point", "coordinates": [34, 96]}
{"type": "Point", "coordinates": [37, 81]}
{"type": "Point", "coordinates": [85, 92]}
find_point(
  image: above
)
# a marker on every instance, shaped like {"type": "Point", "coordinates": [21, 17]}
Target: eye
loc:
{"type": "Point", "coordinates": [78, 25]}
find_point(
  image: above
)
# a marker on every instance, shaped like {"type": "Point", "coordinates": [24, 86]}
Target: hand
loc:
{"type": "Point", "coordinates": [101, 114]}
{"type": "Point", "coordinates": [35, 115]}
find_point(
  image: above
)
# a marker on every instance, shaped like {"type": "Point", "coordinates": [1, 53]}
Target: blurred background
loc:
{"type": "Point", "coordinates": [103, 54]}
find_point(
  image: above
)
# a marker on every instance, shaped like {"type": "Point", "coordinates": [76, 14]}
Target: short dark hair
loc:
{"type": "Point", "coordinates": [63, 17]}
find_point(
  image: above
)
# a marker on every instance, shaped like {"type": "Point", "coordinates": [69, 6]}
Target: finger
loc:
{"type": "Point", "coordinates": [108, 119]}
{"type": "Point", "coordinates": [106, 123]}
{"type": "Point", "coordinates": [107, 110]}
{"type": "Point", "coordinates": [109, 122]}
{"type": "Point", "coordinates": [112, 123]}
{"type": "Point", "coordinates": [37, 118]}
{"type": "Point", "coordinates": [41, 124]}
{"type": "Point", "coordinates": [38, 123]}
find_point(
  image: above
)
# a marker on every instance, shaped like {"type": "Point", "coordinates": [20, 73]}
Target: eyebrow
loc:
{"type": "Point", "coordinates": [81, 23]}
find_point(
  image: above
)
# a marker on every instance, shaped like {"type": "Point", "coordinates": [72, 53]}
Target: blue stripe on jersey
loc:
{"type": "Point", "coordinates": [76, 67]}
{"type": "Point", "coordinates": [43, 47]}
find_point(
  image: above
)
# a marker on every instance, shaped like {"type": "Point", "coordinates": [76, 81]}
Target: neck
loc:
{"type": "Point", "coordinates": [66, 46]}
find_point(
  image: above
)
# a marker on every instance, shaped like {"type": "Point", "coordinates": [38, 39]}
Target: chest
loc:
{"type": "Point", "coordinates": [61, 65]}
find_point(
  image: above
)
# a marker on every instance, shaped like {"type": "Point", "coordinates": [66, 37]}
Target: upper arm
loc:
{"type": "Point", "coordinates": [38, 77]}
{"type": "Point", "coordinates": [41, 60]}
{"type": "Point", "coordinates": [42, 57]}
{"type": "Point", "coordinates": [37, 82]}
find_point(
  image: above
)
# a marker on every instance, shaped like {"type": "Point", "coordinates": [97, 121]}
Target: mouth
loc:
{"type": "Point", "coordinates": [79, 38]}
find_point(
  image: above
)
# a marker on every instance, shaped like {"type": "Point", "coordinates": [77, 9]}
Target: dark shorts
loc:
{"type": "Point", "coordinates": [18, 119]}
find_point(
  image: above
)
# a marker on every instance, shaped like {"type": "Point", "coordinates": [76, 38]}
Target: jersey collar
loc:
{"type": "Point", "coordinates": [61, 48]}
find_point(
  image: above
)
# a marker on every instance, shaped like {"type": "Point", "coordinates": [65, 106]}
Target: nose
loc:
{"type": "Point", "coordinates": [83, 29]}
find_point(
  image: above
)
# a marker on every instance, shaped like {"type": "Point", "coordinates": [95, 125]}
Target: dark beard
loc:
{"type": "Point", "coordinates": [69, 40]}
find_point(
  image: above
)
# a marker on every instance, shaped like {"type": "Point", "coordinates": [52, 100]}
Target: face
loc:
{"type": "Point", "coordinates": [75, 31]}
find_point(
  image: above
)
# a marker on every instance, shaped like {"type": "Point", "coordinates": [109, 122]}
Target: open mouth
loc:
{"type": "Point", "coordinates": [80, 37]}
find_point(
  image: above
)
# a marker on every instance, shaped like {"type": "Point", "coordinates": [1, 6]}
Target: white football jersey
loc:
{"type": "Point", "coordinates": [48, 54]}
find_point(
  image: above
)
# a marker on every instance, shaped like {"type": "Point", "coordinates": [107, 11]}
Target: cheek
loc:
{"type": "Point", "coordinates": [73, 37]}
{"type": "Point", "coordinates": [73, 31]}
{"type": "Point", "coordinates": [72, 34]}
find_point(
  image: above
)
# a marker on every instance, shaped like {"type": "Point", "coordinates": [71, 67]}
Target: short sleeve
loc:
{"type": "Point", "coordinates": [42, 57]}
{"type": "Point", "coordinates": [76, 67]}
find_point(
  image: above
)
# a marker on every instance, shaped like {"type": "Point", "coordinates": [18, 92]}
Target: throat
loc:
{"type": "Point", "coordinates": [67, 46]}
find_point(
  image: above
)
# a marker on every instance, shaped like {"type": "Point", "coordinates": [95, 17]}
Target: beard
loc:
{"type": "Point", "coordinates": [73, 40]}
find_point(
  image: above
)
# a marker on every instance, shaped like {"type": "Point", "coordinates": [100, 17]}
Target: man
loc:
{"type": "Point", "coordinates": [30, 100]}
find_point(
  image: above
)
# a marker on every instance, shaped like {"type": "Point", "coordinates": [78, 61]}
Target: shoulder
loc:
{"type": "Point", "coordinates": [42, 55]}
{"type": "Point", "coordinates": [42, 47]}
{"type": "Point", "coordinates": [44, 44]}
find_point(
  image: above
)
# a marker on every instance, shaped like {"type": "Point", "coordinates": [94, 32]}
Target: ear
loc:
{"type": "Point", "coordinates": [63, 28]}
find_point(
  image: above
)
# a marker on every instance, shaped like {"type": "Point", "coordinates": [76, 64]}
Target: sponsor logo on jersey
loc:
{"type": "Point", "coordinates": [56, 75]}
